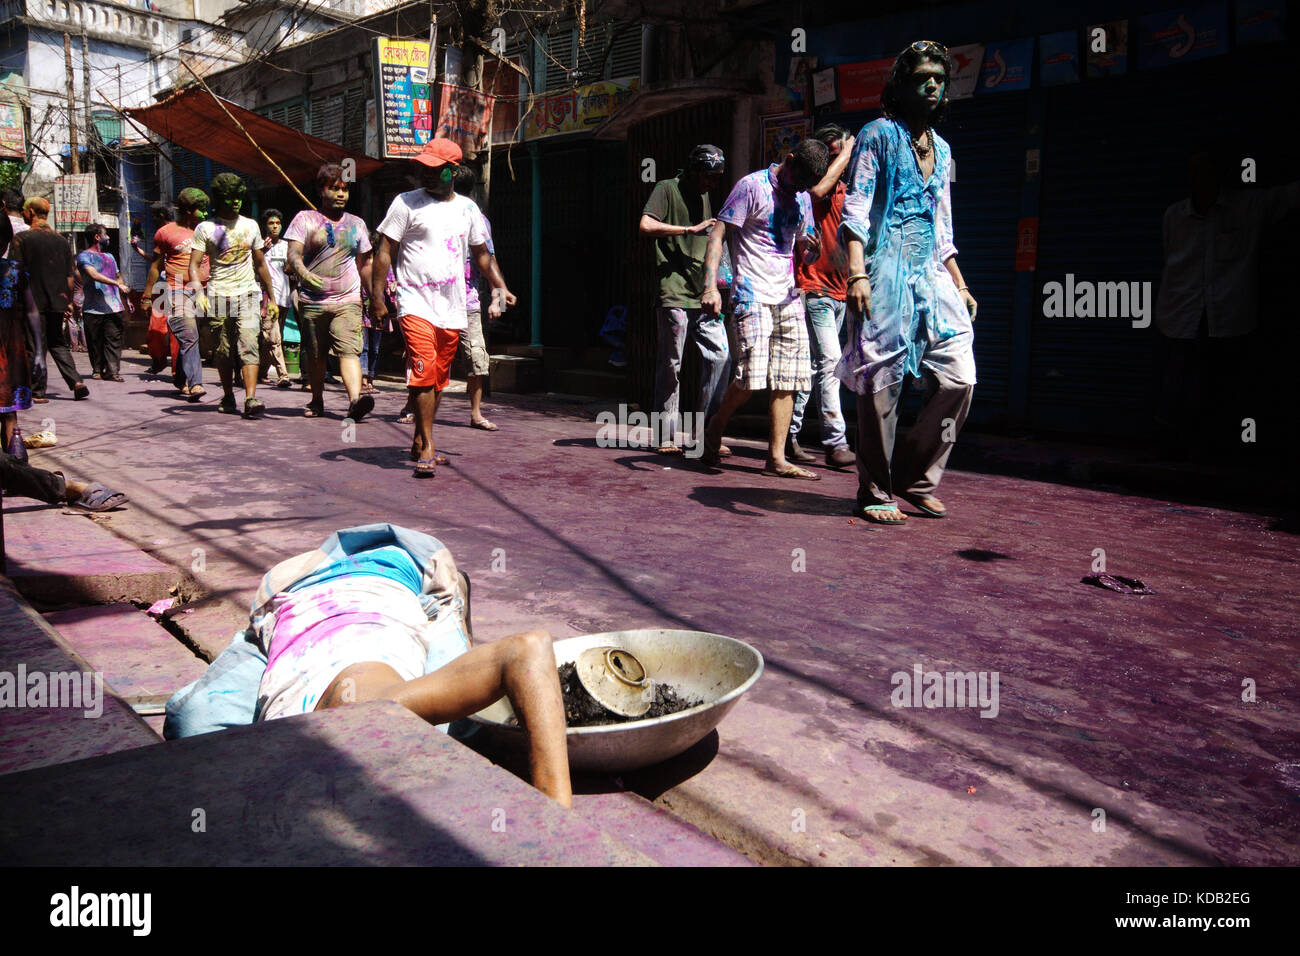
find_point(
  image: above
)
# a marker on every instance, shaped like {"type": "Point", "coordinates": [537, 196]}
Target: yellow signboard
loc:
{"type": "Point", "coordinates": [579, 110]}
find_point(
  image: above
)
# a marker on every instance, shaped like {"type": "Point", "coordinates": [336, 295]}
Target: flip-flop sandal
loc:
{"type": "Point", "coordinates": [486, 425]}
{"type": "Point", "coordinates": [876, 514]}
{"type": "Point", "coordinates": [313, 411]}
{"type": "Point", "coordinates": [424, 468]}
{"type": "Point", "coordinates": [98, 498]}
{"type": "Point", "coordinates": [438, 457]}
{"type": "Point", "coordinates": [792, 471]}
{"type": "Point", "coordinates": [925, 504]}
{"type": "Point", "coordinates": [194, 394]}
{"type": "Point", "coordinates": [668, 448]}
{"type": "Point", "coordinates": [406, 418]}
{"type": "Point", "coordinates": [362, 407]}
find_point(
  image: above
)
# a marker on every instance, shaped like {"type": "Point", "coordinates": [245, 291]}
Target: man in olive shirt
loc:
{"type": "Point", "coordinates": [678, 216]}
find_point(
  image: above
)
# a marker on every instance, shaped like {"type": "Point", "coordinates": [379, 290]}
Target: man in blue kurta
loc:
{"type": "Point", "coordinates": [909, 311]}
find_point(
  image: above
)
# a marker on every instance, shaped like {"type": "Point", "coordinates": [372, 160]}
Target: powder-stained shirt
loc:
{"type": "Point", "coordinates": [905, 225]}
{"type": "Point", "coordinates": [173, 242]}
{"type": "Point", "coordinates": [101, 298]}
{"type": "Point", "coordinates": [828, 274]}
{"type": "Point", "coordinates": [229, 245]}
{"type": "Point", "coordinates": [433, 238]}
{"type": "Point", "coordinates": [471, 270]}
{"type": "Point", "coordinates": [329, 251]}
{"type": "Point", "coordinates": [768, 222]}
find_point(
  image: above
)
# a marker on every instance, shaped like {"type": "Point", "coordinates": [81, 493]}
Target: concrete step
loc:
{"type": "Point", "coordinates": [67, 725]}
{"type": "Point", "coordinates": [142, 662]}
{"type": "Point", "coordinates": [367, 784]}
{"type": "Point", "coordinates": [591, 382]}
{"type": "Point", "coordinates": [58, 558]}
{"type": "Point", "coordinates": [524, 351]}
{"type": "Point", "coordinates": [514, 373]}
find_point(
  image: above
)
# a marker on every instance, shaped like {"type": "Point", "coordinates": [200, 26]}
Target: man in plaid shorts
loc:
{"type": "Point", "coordinates": [767, 220]}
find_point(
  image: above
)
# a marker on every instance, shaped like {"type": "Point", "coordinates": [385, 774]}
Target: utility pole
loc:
{"type": "Point", "coordinates": [72, 110]}
{"type": "Point", "coordinates": [85, 89]}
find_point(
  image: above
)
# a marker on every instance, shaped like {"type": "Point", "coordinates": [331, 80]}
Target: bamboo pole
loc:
{"type": "Point", "coordinates": [240, 126]}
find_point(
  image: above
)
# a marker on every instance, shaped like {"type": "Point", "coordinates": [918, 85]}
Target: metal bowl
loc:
{"type": "Point", "coordinates": [711, 667]}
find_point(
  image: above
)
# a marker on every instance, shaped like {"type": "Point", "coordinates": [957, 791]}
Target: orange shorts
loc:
{"type": "Point", "coordinates": [429, 353]}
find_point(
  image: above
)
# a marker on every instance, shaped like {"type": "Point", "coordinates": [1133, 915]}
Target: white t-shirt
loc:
{"type": "Point", "coordinates": [433, 238]}
{"type": "Point", "coordinates": [276, 257]}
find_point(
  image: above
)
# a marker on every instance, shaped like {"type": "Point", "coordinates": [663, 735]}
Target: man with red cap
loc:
{"type": "Point", "coordinates": [427, 235]}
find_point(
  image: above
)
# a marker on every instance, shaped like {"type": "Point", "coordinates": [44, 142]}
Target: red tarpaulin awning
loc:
{"type": "Point", "coordinates": [193, 118]}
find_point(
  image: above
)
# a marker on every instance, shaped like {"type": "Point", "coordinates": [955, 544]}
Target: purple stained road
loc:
{"type": "Point", "coordinates": [1112, 708]}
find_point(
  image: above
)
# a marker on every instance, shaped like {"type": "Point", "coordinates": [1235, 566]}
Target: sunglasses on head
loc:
{"type": "Point", "coordinates": [925, 46]}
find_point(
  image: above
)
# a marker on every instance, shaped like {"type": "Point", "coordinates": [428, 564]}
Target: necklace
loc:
{"type": "Point", "coordinates": [923, 144]}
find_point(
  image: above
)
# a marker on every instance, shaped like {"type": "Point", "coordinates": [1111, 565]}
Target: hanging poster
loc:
{"type": "Point", "coordinates": [1261, 21]}
{"type": "Point", "coordinates": [1058, 57]}
{"type": "Point", "coordinates": [1107, 48]}
{"type": "Point", "coordinates": [404, 109]}
{"type": "Point", "coordinates": [1180, 35]}
{"type": "Point", "coordinates": [76, 203]}
{"type": "Point", "coordinates": [1007, 66]}
{"type": "Point", "coordinates": [580, 110]}
{"type": "Point", "coordinates": [861, 84]}
{"type": "Point", "coordinates": [966, 64]}
{"type": "Point", "coordinates": [824, 86]}
{"type": "Point", "coordinates": [13, 137]}
{"type": "Point", "coordinates": [464, 116]}
{"type": "Point", "coordinates": [781, 133]}
{"type": "Point", "coordinates": [506, 86]}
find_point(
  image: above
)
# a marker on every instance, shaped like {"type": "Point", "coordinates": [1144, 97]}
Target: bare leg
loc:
{"type": "Point", "coordinates": [425, 402]}
{"type": "Point", "coordinates": [350, 370]}
{"type": "Point", "coordinates": [474, 388]}
{"type": "Point", "coordinates": [521, 666]}
{"type": "Point", "coordinates": [226, 373]}
{"type": "Point", "coordinates": [735, 396]}
{"type": "Point", "coordinates": [316, 375]}
{"type": "Point", "coordinates": [9, 422]}
{"type": "Point", "coordinates": [781, 407]}
{"type": "Point", "coordinates": [250, 380]}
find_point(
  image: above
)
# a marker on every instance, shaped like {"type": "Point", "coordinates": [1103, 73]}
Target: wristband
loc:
{"type": "Point", "coordinates": [963, 288]}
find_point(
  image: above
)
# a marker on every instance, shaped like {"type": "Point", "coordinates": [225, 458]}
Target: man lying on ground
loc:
{"type": "Point", "coordinates": [21, 480]}
{"type": "Point", "coordinates": [377, 613]}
